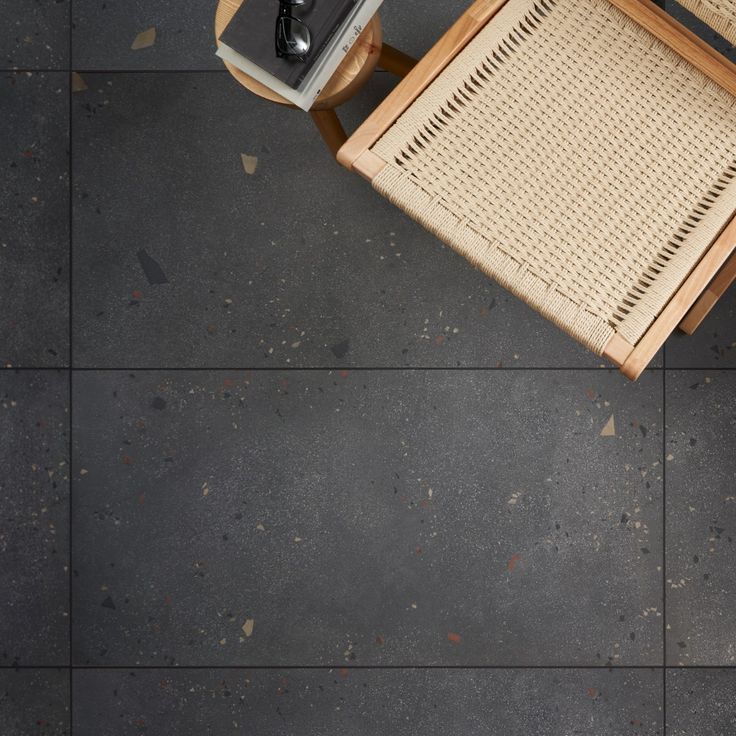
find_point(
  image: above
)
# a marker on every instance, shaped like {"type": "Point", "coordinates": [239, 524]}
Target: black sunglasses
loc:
{"type": "Point", "coordinates": [293, 39]}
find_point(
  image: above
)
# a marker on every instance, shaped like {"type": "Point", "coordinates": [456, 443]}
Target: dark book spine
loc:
{"type": "Point", "coordinates": [337, 23]}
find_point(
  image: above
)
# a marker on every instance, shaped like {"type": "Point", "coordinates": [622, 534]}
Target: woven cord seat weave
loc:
{"type": "Point", "coordinates": [719, 14]}
{"type": "Point", "coordinates": [573, 158]}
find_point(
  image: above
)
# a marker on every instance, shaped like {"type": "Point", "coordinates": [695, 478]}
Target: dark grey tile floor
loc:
{"type": "Point", "coordinates": [325, 477]}
{"type": "Point", "coordinates": [34, 219]}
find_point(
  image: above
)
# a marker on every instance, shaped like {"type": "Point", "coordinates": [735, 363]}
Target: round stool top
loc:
{"type": "Point", "coordinates": [350, 76]}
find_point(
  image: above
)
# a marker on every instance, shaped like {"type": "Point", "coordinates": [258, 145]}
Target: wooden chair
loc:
{"type": "Point", "coordinates": [582, 153]}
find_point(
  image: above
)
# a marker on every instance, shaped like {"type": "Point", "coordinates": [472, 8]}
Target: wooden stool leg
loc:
{"type": "Point", "coordinates": [709, 298]}
{"type": "Point", "coordinates": [395, 61]}
{"type": "Point", "coordinates": [330, 128]}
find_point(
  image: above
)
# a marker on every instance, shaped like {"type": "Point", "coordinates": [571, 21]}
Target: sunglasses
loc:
{"type": "Point", "coordinates": [293, 39]}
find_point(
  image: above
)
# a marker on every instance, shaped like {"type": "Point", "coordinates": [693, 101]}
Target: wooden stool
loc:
{"type": "Point", "coordinates": [367, 52]}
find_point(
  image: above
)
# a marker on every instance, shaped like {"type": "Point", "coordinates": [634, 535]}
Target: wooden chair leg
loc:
{"type": "Point", "coordinates": [395, 61]}
{"type": "Point", "coordinates": [330, 128]}
{"type": "Point", "coordinates": [720, 253]}
{"type": "Point", "coordinates": [709, 298]}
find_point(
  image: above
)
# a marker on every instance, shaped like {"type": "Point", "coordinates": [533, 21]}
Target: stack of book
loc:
{"type": "Point", "coordinates": [257, 41]}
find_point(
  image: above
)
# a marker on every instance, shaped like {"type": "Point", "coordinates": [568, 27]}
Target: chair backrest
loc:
{"type": "Point", "coordinates": [718, 14]}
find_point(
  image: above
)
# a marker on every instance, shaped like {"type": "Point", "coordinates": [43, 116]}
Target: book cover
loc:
{"type": "Point", "coordinates": [252, 31]}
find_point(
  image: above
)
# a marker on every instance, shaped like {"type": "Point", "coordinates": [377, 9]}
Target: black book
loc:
{"type": "Point", "coordinates": [252, 33]}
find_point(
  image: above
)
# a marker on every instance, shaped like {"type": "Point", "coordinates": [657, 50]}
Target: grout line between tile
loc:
{"type": "Point", "coordinates": [340, 666]}
{"type": "Point", "coordinates": [580, 369]}
{"type": "Point", "coordinates": [35, 71]}
{"type": "Point", "coordinates": [70, 185]}
{"type": "Point", "coordinates": [82, 70]}
{"type": "Point", "coordinates": [664, 541]}
{"type": "Point", "coordinates": [65, 70]}
{"type": "Point", "coordinates": [570, 369]}
{"type": "Point", "coordinates": [553, 667]}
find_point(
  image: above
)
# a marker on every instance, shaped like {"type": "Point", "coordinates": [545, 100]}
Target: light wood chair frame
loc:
{"type": "Point", "coordinates": [716, 269]}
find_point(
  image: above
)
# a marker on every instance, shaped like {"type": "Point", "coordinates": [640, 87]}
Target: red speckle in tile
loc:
{"type": "Point", "coordinates": [439, 340]}
{"type": "Point", "coordinates": [127, 460]}
{"type": "Point", "coordinates": [512, 562]}
{"type": "Point", "coordinates": [137, 294]}
{"type": "Point", "coordinates": [453, 638]}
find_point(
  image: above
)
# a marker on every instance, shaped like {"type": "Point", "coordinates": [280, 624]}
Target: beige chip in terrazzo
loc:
{"type": "Point", "coordinates": [77, 82]}
{"type": "Point", "coordinates": [610, 428]}
{"type": "Point", "coordinates": [144, 39]}
{"type": "Point", "coordinates": [250, 163]}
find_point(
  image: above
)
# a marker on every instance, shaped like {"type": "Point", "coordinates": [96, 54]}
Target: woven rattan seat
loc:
{"type": "Point", "coordinates": [574, 158]}
{"type": "Point", "coordinates": [575, 161]}
{"type": "Point", "coordinates": [720, 14]}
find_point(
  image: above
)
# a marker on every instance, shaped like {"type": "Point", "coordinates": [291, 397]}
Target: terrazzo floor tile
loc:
{"type": "Point", "coordinates": [34, 220]}
{"type": "Point", "coordinates": [34, 34]}
{"type": "Point", "coordinates": [713, 345]}
{"type": "Point", "coordinates": [415, 26]}
{"type": "Point", "coordinates": [701, 702]}
{"type": "Point", "coordinates": [701, 518]}
{"type": "Point", "coordinates": [34, 702]}
{"type": "Point", "coordinates": [104, 31]}
{"type": "Point", "coordinates": [367, 517]}
{"type": "Point", "coordinates": [390, 702]}
{"type": "Point", "coordinates": [183, 259]}
{"type": "Point", "coordinates": [34, 521]}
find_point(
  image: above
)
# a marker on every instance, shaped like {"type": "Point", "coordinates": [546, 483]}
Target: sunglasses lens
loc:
{"type": "Point", "coordinates": [293, 37]}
